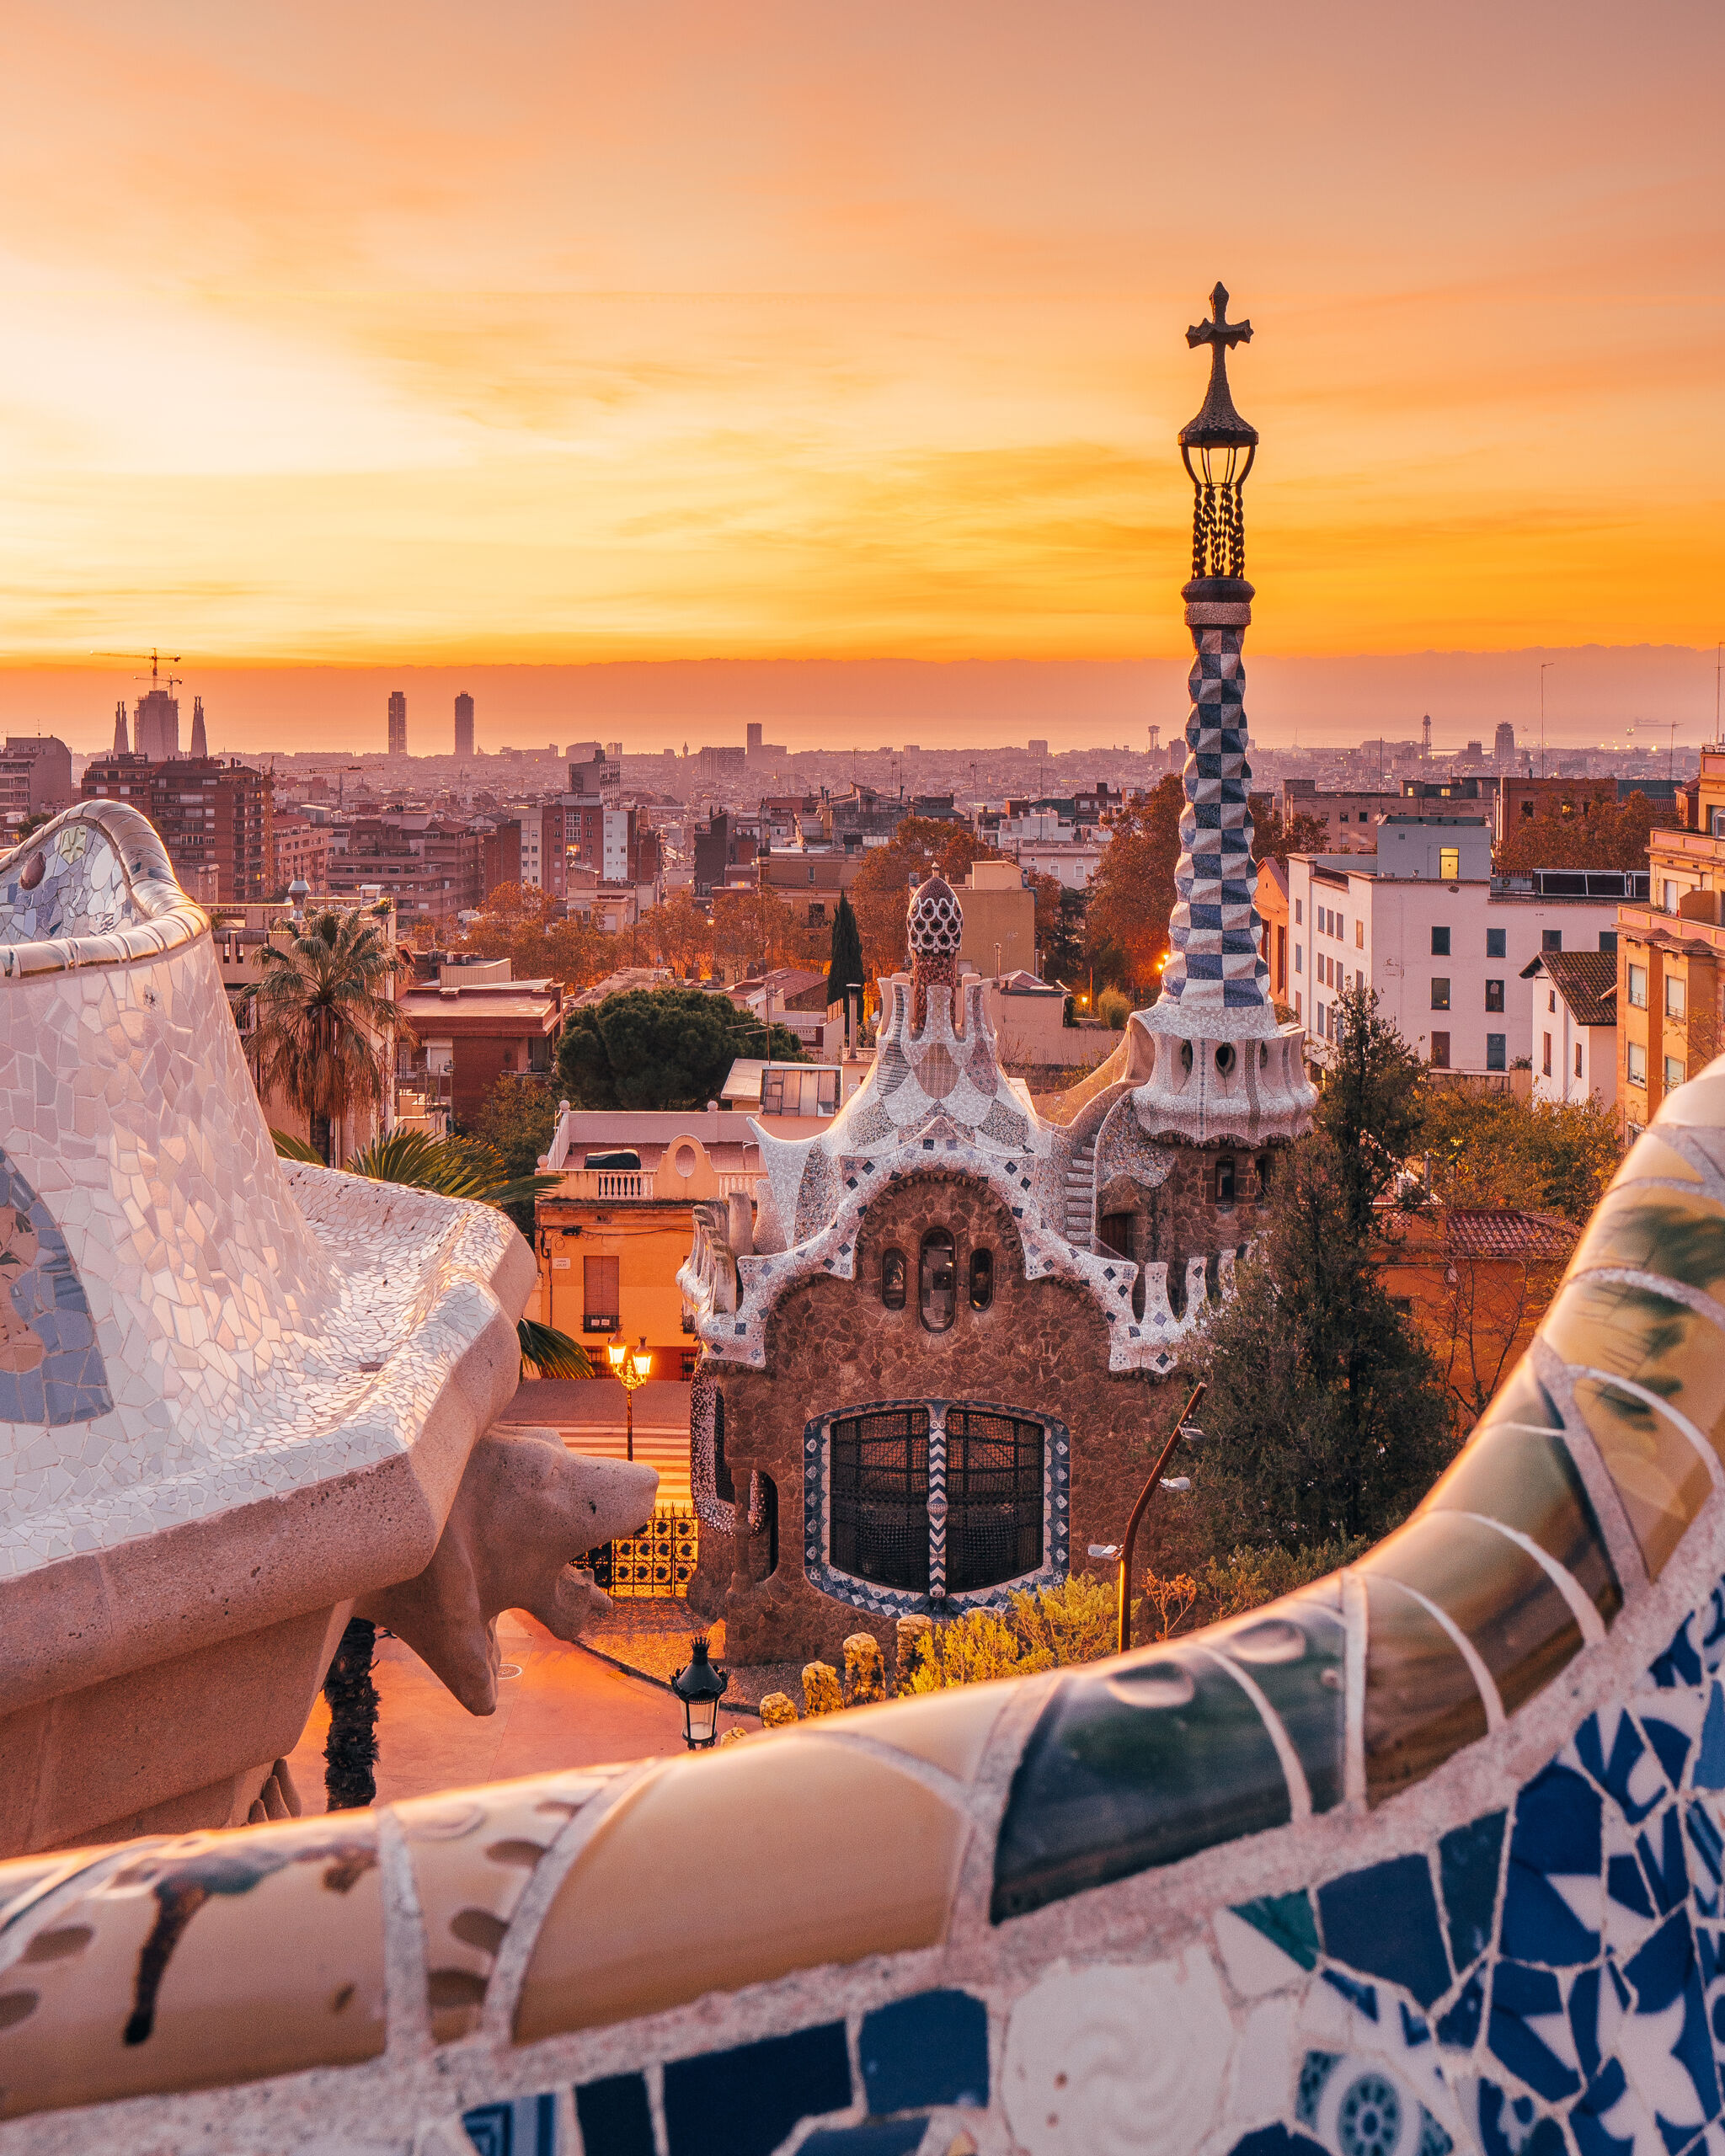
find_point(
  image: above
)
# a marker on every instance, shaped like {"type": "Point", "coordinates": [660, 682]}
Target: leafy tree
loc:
{"type": "Point", "coordinates": [757, 928]}
{"type": "Point", "coordinates": [846, 980]}
{"type": "Point", "coordinates": [518, 1122]}
{"type": "Point", "coordinates": [1274, 838]}
{"type": "Point", "coordinates": [326, 1032]}
{"type": "Point", "coordinates": [921, 847]}
{"type": "Point", "coordinates": [1132, 892]}
{"type": "Point", "coordinates": [1326, 1417]}
{"type": "Point", "coordinates": [527, 927]}
{"type": "Point", "coordinates": [1545, 1156]}
{"type": "Point", "coordinates": [1372, 1106]}
{"type": "Point", "coordinates": [680, 934]}
{"type": "Point", "coordinates": [1592, 835]}
{"type": "Point", "coordinates": [1059, 929]}
{"type": "Point", "coordinates": [666, 1047]}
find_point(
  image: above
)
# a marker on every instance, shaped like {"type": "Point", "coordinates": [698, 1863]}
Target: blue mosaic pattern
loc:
{"type": "Point", "coordinates": [893, 1602]}
{"type": "Point", "coordinates": [1214, 930]}
{"type": "Point", "coordinates": [51, 1370]}
{"type": "Point", "coordinates": [525, 2128]}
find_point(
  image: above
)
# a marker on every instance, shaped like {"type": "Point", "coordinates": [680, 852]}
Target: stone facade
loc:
{"type": "Point", "coordinates": [1040, 1348]}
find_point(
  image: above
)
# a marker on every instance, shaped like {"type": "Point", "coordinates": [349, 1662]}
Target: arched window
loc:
{"type": "Point", "coordinates": [939, 1284]}
{"type": "Point", "coordinates": [981, 1278]}
{"type": "Point", "coordinates": [892, 1279]}
{"type": "Point", "coordinates": [879, 1469]}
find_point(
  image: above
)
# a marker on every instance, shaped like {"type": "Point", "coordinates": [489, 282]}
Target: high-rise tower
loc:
{"type": "Point", "coordinates": [464, 724]}
{"type": "Point", "coordinates": [1225, 1064]}
{"type": "Point", "coordinates": [122, 739]}
{"type": "Point", "coordinates": [200, 739]}
{"type": "Point", "coordinates": [397, 723]}
{"type": "Point", "coordinates": [155, 725]}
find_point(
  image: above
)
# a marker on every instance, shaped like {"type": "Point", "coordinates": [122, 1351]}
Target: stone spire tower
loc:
{"type": "Point", "coordinates": [1224, 1064]}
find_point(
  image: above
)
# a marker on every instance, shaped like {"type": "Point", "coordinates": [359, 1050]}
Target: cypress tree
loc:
{"type": "Point", "coordinates": [845, 980]}
{"type": "Point", "coordinates": [351, 1751]}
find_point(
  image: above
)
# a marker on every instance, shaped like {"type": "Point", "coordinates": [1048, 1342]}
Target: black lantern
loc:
{"type": "Point", "coordinates": [700, 1687]}
{"type": "Point", "coordinates": [1226, 446]}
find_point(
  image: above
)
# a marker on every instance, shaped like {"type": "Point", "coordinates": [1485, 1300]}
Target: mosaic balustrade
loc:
{"type": "Point", "coordinates": [1429, 1856]}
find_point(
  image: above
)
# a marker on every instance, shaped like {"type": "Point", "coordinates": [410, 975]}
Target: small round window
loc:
{"type": "Point", "coordinates": [684, 1160]}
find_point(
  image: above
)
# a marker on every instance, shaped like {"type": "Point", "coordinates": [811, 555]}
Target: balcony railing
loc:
{"type": "Point", "coordinates": [608, 1182]}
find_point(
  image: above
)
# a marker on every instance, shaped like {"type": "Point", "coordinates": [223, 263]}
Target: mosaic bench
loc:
{"type": "Point", "coordinates": [1428, 1857]}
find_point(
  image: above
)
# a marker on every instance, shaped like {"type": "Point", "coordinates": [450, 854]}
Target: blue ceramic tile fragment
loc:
{"type": "Point", "coordinates": [879, 2137]}
{"type": "Point", "coordinates": [1680, 1665]}
{"type": "Point", "coordinates": [1614, 1774]}
{"type": "Point", "coordinates": [1587, 2119]}
{"type": "Point", "coordinates": [1363, 1996]}
{"type": "Point", "coordinates": [1286, 1921]}
{"type": "Point", "coordinates": [931, 2049]}
{"type": "Point", "coordinates": [1710, 1853]}
{"type": "Point", "coordinates": [1509, 2126]}
{"type": "Point", "coordinates": [1383, 1921]}
{"type": "Point", "coordinates": [1625, 1886]}
{"type": "Point", "coordinates": [1558, 1824]}
{"type": "Point", "coordinates": [525, 2127]}
{"type": "Point", "coordinates": [1584, 2022]}
{"type": "Point", "coordinates": [1670, 1745]}
{"type": "Point", "coordinates": [1660, 1848]}
{"type": "Point", "coordinates": [742, 2102]}
{"type": "Point", "coordinates": [1459, 2029]}
{"type": "Point", "coordinates": [1520, 1995]}
{"type": "Point", "coordinates": [1710, 1761]}
{"type": "Point", "coordinates": [615, 2118]}
{"type": "Point", "coordinates": [1277, 2141]}
{"type": "Point", "coordinates": [1467, 1872]}
{"type": "Point", "coordinates": [1664, 1970]}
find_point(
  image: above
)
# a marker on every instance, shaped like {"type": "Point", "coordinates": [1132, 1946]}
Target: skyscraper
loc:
{"type": "Point", "coordinates": [155, 726]}
{"type": "Point", "coordinates": [200, 739]}
{"type": "Point", "coordinates": [122, 739]}
{"type": "Point", "coordinates": [1503, 747]}
{"type": "Point", "coordinates": [397, 723]}
{"type": "Point", "coordinates": [464, 724]}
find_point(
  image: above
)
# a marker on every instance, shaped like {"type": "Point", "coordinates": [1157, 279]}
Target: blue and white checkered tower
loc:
{"type": "Point", "coordinates": [1215, 995]}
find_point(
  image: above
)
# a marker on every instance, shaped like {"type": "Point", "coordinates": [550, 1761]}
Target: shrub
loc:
{"type": "Point", "coordinates": [1114, 1007]}
{"type": "Point", "coordinates": [1048, 1628]}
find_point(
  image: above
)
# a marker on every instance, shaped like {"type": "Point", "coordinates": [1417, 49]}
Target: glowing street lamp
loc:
{"type": "Point", "coordinates": [700, 1687]}
{"type": "Point", "coordinates": [631, 1367]}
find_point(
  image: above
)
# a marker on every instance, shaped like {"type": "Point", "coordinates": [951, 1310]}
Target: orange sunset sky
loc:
{"type": "Point", "coordinates": [360, 334]}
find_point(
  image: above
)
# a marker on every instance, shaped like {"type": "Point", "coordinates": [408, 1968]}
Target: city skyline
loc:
{"type": "Point", "coordinates": [769, 333]}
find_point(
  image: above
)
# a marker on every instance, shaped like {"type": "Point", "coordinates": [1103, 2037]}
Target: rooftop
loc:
{"type": "Point", "coordinates": [1500, 1231]}
{"type": "Point", "coordinates": [1586, 981]}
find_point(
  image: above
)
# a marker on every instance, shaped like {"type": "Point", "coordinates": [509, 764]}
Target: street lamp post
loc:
{"type": "Point", "coordinates": [1124, 1589]}
{"type": "Point", "coordinates": [700, 1687]}
{"type": "Point", "coordinates": [631, 1367]}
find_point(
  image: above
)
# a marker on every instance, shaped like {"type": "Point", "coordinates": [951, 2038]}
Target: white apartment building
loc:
{"type": "Point", "coordinates": [1575, 1026]}
{"type": "Point", "coordinates": [1444, 943]}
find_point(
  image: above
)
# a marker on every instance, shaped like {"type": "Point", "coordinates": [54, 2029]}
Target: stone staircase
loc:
{"type": "Point", "coordinates": [1080, 1195]}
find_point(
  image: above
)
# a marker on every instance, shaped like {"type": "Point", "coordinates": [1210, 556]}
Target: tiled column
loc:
{"type": "Point", "coordinates": [937, 1502]}
{"type": "Point", "coordinates": [1215, 927]}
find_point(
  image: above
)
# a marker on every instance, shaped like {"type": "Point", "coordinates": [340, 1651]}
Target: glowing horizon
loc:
{"type": "Point", "coordinates": [753, 333]}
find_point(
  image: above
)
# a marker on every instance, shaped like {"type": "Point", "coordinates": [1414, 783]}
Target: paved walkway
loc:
{"type": "Point", "coordinates": [568, 1708]}
{"type": "Point", "coordinates": [590, 1415]}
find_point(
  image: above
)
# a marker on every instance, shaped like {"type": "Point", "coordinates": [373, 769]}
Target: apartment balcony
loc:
{"type": "Point", "coordinates": [645, 1186]}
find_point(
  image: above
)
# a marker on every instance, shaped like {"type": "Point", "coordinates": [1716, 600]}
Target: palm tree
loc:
{"type": "Point", "coordinates": [327, 1029]}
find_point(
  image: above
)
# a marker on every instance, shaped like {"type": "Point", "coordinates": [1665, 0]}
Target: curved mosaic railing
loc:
{"type": "Point", "coordinates": [95, 888]}
{"type": "Point", "coordinates": [1429, 1854]}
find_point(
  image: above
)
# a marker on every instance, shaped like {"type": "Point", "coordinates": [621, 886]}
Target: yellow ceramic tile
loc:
{"type": "Point", "coordinates": [737, 1866]}
{"type": "Point", "coordinates": [1701, 1102]}
{"type": "Point", "coordinates": [949, 1730]}
{"type": "Point", "coordinates": [1662, 1480]}
{"type": "Point", "coordinates": [212, 1959]}
{"type": "Point", "coordinates": [473, 1851]}
{"type": "Point", "coordinates": [1678, 1233]}
{"type": "Point", "coordinates": [1650, 1155]}
{"type": "Point", "coordinates": [1653, 1341]}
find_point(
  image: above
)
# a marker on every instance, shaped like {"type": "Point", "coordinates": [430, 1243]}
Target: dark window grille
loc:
{"type": "Point", "coordinates": [994, 1498]}
{"type": "Point", "coordinates": [877, 1466]}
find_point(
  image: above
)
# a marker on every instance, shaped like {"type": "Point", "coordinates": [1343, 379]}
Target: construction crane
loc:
{"type": "Point", "coordinates": [155, 660]}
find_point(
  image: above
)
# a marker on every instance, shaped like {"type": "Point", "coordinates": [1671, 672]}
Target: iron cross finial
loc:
{"type": "Point", "coordinates": [1218, 330]}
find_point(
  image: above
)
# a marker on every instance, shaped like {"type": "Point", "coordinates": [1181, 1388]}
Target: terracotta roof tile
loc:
{"type": "Point", "coordinates": [1500, 1231]}
{"type": "Point", "coordinates": [1586, 981]}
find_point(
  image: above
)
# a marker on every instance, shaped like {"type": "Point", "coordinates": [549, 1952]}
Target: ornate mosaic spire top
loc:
{"type": "Point", "coordinates": [1222, 1060]}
